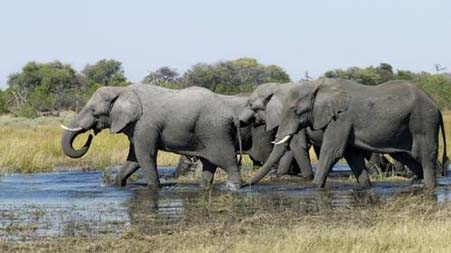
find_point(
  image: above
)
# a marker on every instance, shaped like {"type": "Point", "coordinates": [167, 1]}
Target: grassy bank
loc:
{"type": "Point", "coordinates": [408, 224]}
{"type": "Point", "coordinates": [33, 145]}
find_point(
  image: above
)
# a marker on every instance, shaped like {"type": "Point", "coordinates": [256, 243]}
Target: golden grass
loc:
{"type": "Point", "coordinates": [409, 224]}
{"type": "Point", "coordinates": [33, 145]}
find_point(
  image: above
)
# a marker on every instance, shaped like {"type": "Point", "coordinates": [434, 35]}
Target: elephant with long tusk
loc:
{"type": "Point", "coordinates": [192, 121]}
{"type": "Point", "coordinates": [395, 118]}
{"type": "Point", "coordinates": [267, 103]}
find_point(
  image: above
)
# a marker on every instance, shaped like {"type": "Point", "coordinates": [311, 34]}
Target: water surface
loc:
{"type": "Point", "coordinates": [49, 205]}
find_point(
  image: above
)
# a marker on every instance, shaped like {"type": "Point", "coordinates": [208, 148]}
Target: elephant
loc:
{"type": "Point", "coordinates": [256, 142]}
{"type": "Point", "coordinates": [395, 118]}
{"type": "Point", "coordinates": [266, 103]}
{"type": "Point", "coordinates": [193, 121]}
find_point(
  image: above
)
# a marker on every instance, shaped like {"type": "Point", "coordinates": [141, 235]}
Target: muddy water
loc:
{"type": "Point", "coordinates": [48, 205]}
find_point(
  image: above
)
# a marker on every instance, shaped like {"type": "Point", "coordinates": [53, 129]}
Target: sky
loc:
{"type": "Point", "coordinates": [299, 36]}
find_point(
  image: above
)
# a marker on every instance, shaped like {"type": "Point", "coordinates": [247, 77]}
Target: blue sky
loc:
{"type": "Point", "coordinates": [299, 36]}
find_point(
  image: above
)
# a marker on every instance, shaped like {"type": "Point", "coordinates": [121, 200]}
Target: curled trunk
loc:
{"type": "Point", "coordinates": [68, 140]}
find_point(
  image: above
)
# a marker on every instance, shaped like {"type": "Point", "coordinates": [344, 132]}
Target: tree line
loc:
{"type": "Point", "coordinates": [48, 88]}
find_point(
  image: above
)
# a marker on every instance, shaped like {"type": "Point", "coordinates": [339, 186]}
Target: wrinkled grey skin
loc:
{"type": "Point", "coordinates": [256, 141]}
{"type": "Point", "coordinates": [395, 118]}
{"type": "Point", "coordinates": [193, 121]}
{"type": "Point", "coordinates": [257, 144]}
{"type": "Point", "coordinates": [267, 102]}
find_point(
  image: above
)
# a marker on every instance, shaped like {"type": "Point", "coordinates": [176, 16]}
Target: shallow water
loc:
{"type": "Point", "coordinates": [48, 205]}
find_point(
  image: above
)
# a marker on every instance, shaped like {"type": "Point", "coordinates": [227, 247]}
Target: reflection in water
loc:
{"type": "Point", "coordinates": [77, 204]}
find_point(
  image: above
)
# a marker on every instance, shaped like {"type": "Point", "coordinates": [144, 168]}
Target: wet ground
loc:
{"type": "Point", "coordinates": [50, 205]}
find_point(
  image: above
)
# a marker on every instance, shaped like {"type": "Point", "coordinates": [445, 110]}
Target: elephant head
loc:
{"type": "Point", "coordinates": [264, 105]}
{"type": "Point", "coordinates": [109, 107]}
{"type": "Point", "coordinates": [314, 104]}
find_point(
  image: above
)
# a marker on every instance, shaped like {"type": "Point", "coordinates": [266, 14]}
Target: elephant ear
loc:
{"type": "Point", "coordinates": [329, 102]}
{"type": "Point", "coordinates": [273, 112]}
{"type": "Point", "coordinates": [126, 109]}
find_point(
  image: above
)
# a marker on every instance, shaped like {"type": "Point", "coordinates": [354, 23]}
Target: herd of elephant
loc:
{"type": "Point", "coordinates": [275, 125]}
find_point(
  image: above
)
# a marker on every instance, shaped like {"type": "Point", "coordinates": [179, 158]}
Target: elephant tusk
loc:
{"type": "Point", "coordinates": [285, 139]}
{"type": "Point", "coordinates": [76, 129]}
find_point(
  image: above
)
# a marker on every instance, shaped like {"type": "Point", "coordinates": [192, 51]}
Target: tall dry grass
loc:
{"type": "Point", "coordinates": [33, 145]}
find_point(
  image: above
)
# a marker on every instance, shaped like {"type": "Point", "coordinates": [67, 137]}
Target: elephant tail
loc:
{"type": "Point", "coordinates": [445, 159]}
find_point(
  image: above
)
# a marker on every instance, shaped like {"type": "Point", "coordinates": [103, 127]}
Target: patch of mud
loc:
{"type": "Point", "coordinates": [49, 205]}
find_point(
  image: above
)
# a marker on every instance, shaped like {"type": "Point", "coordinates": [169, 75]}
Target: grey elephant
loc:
{"type": "Point", "coordinates": [255, 140]}
{"type": "Point", "coordinates": [267, 102]}
{"type": "Point", "coordinates": [192, 121]}
{"type": "Point", "coordinates": [395, 118]}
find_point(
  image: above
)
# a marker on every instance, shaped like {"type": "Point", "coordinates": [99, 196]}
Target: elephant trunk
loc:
{"type": "Point", "coordinates": [68, 140]}
{"type": "Point", "coordinates": [277, 153]}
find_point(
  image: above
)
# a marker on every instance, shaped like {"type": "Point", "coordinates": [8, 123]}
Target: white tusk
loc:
{"type": "Point", "coordinates": [285, 139]}
{"type": "Point", "coordinates": [71, 129]}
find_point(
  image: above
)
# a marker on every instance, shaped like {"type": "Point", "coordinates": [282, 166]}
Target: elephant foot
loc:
{"type": "Point", "coordinates": [364, 181]}
{"type": "Point", "coordinates": [308, 177]}
{"type": "Point", "coordinates": [318, 183]}
{"type": "Point", "coordinates": [120, 182]}
{"type": "Point", "coordinates": [365, 185]}
{"type": "Point", "coordinates": [206, 185]}
{"type": "Point", "coordinates": [417, 182]}
{"type": "Point", "coordinates": [232, 185]}
{"type": "Point", "coordinates": [153, 187]}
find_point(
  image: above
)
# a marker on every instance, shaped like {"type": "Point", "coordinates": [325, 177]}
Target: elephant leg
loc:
{"type": "Point", "coordinates": [183, 166]}
{"type": "Point", "coordinates": [410, 162]}
{"type": "Point", "coordinates": [285, 163]}
{"type": "Point", "coordinates": [146, 154]}
{"type": "Point", "coordinates": [356, 160]}
{"type": "Point", "coordinates": [125, 172]}
{"type": "Point", "coordinates": [332, 149]}
{"type": "Point", "coordinates": [224, 156]}
{"type": "Point", "coordinates": [208, 173]}
{"type": "Point", "coordinates": [428, 157]}
{"type": "Point", "coordinates": [300, 149]}
{"type": "Point", "coordinates": [128, 168]}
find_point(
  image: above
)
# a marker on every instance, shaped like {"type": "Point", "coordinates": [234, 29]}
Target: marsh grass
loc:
{"type": "Point", "coordinates": [411, 223]}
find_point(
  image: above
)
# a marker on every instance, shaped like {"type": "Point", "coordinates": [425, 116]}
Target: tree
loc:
{"type": "Point", "coordinates": [106, 72]}
{"type": "Point", "coordinates": [162, 76]}
{"type": "Point", "coordinates": [41, 87]}
{"type": "Point", "coordinates": [234, 76]}
{"type": "Point", "coordinates": [3, 102]}
{"type": "Point", "coordinates": [369, 76]}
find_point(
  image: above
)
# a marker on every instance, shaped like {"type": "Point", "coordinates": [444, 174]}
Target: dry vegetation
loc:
{"type": "Point", "coordinates": [407, 224]}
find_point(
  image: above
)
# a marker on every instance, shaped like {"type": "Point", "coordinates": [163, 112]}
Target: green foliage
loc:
{"type": "Point", "coordinates": [369, 76]}
{"type": "Point", "coordinates": [438, 86]}
{"type": "Point", "coordinates": [234, 76]}
{"type": "Point", "coordinates": [162, 76]}
{"type": "Point", "coordinates": [41, 87]}
{"type": "Point", "coordinates": [106, 72]}
{"type": "Point", "coordinates": [3, 102]}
